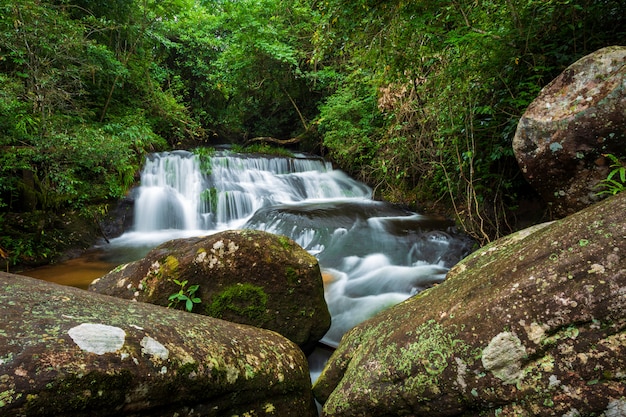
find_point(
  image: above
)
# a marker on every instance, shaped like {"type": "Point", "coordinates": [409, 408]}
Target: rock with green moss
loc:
{"type": "Point", "coordinates": [69, 352]}
{"type": "Point", "coordinates": [245, 276]}
{"type": "Point", "coordinates": [533, 324]}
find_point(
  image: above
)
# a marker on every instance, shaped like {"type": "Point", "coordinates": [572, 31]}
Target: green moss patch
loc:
{"type": "Point", "coordinates": [244, 300]}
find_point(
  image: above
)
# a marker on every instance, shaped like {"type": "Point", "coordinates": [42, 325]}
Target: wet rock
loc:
{"type": "Point", "coordinates": [119, 217]}
{"type": "Point", "coordinates": [66, 351]}
{"type": "Point", "coordinates": [533, 324]}
{"type": "Point", "coordinates": [245, 276]}
{"type": "Point", "coordinates": [562, 137]}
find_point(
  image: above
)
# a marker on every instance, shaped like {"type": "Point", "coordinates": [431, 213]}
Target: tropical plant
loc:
{"type": "Point", "coordinates": [184, 295]}
{"type": "Point", "coordinates": [615, 181]}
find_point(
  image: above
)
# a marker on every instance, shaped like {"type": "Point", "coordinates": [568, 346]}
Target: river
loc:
{"type": "Point", "coordinates": [372, 254]}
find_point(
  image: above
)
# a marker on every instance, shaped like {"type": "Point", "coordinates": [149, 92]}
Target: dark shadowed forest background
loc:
{"type": "Point", "coordinates": [419, 99]}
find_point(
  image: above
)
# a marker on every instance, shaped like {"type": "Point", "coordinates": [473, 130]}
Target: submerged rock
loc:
{"type": "Point", "coordinates": [245, 276]}
{"type": "Point", "coordinates": [563, 136]}
{"type": "Point", "coordinates": [533, 324]}
{"type": "Point", "coordinates": [65, 351]}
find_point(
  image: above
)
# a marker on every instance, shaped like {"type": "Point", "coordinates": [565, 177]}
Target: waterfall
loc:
{"type": "Point", "coordinates": [372, 254]}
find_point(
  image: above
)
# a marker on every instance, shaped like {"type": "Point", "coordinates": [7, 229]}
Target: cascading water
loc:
{"type": "Point", "coordinates": [372, 254]}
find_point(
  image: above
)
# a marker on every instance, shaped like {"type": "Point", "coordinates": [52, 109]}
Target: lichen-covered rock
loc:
{"type": "Point", "coordinates": [69, 352]}
{"type": "Point", "coordinates": [577, 118]}
{"type": "Point", "coordinates": [533, 324]}
{"type": "Point", "coordinates": [245, 276]}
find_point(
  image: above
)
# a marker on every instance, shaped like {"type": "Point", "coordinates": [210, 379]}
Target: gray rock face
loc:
{"type": "Point", "coordinates": [244, 276]}
{"type": "Point", "coordinates": [562, 137]}
{"type": "Point", "coordinates": [533, 324]}
{"type": "Point", "coordinates": [66, 351]}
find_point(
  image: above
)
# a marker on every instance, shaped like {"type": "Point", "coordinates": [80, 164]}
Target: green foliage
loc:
{"type": "Point", "coordinates": [184, 295]}
{"type": "Point", "coordinates": [451, 79]}
{"type": "Point", "coordinates": [350, 124]}
{"type": "Point", "coordinates": [242, 67]}
{"type": "Point", "coordinates": [615, 181]}
{"type": "Point", "coordinates": [262, 149]}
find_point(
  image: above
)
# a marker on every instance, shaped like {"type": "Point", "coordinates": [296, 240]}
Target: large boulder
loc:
{"type": "Point", "coordinates": [244, 276]}
{"type": "Point", "coordinates": [533, 324]}
{"type": "Point", "coordinates": [564, 134]}
{"type": "Point", "coordinates": [69, 352]}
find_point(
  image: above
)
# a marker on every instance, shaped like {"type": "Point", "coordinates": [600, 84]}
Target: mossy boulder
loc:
{"type": "Point", "coordinates": [533, 324]}
{"type": "Point", "coordinates": [244, 276]}
{"type": "Point", "coordinates": [69, 352]}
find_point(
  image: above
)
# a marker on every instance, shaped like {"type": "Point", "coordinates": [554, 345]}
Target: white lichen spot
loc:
{"type": "Point", "coordinates": [218, 246]}
{"type": "Point", "coordinates": [596, 269]}
{"type": "Point", "coordinates": [536, 332]}
{"type": "Point", "coordinates": [151, 347]}
{"type": "Point", "coordinates": [553, 381]}
{"type": "Point", "coordinates": [218, 251]}
{"type": "Point", "coordinates": [503, 357]}
{"type": "Point", "coordinates": [163, 370]}
{"type": "Point", "coordinates": [200, 257]}
{"type": "Point", "coordinates": [98, 338]}
{"type": "Point", "coordinates": [460, 373]}
{"type": "Point", "coordinates": [616, 408]}
{"type": "Point", "coordinates": [154, 268]}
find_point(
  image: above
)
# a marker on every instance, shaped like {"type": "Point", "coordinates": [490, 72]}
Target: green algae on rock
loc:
{"type": "Point", "coordinates": [66, 351]}
{"type": "Point", "coordinates": [533, 324]}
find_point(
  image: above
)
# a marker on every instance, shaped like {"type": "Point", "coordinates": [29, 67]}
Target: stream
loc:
{"type": "Point", "coordinates": [372, 254]}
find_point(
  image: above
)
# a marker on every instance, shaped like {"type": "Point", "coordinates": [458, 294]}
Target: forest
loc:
{"type": "Point", "coordinates": [419, 99]}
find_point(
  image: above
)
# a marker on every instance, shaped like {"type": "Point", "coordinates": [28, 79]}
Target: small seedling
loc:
{"type": "Point", "coordinates": [184, 295]}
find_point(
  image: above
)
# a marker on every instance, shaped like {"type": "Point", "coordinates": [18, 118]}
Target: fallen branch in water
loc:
{"type": "Point", "coordinates": [291, 141]}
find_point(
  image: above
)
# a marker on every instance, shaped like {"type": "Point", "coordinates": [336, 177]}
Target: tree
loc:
{"type": "Point", "coordinates": [243, 67]}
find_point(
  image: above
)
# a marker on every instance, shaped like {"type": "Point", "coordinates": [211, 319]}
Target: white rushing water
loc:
{"type": "Point", "coordinates": [372, 255]}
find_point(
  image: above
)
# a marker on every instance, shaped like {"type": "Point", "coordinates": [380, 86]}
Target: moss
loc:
{"type": "Point", "coordinates": [170, 265]}
{"type": "Point", "coordinates": [119, 268]}
{"type": "Point", "coordinates": [292, 275]}
{"type": "Point", "coordinates": [244, 300]}
{"type": "Point", "coordinates": [7, 397]}
{"type": "Point", "coordinates": [285, 242]}
{"type": "Point", "coordinates": [210, 196]}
